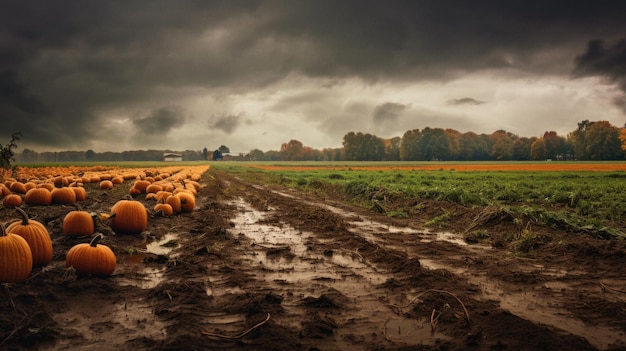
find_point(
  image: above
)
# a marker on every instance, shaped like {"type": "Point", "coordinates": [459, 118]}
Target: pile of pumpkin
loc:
{"type": "Point", "coordinates": [26, 243]}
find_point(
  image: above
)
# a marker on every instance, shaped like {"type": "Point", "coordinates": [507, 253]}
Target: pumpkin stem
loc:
{"type": "Point", "coordinates": [23, 214]}
{"type": "Point", "coordinates": [3, 231]}
{"type": "Point", "coordinates": [96, 238]}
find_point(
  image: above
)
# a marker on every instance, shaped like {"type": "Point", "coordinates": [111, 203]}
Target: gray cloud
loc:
{"type": "Point", "coordinates": [388, 112]}
{"type": "Point", "coordinates": [227, 124]}
{"type": "Point", "coordinates": [465, 101]}
{"type": "Point", "coordinates": [67, 64]}
{"type": "Point", "coordinates": [603, 61]}
{"type": "Point", "coordinates": [159, 122]}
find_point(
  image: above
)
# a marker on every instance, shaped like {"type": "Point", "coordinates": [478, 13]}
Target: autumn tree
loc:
{"type": "Point", "coordinates": [602, 142]}
{"type": "Point", "coordinates": [501, 145]}
{"type": "Point", "coordinates": [392, 149]}
{"type": "Point", "coordinates": [522, 148]}
{"type": "Point", "coordinates": [294, 150]}
{"type": "Point", "coordinates": [410, 147]}
{"type": "Point", "coordinates": [363, 147]}
{"type": "Point", "coordinates": [622, 137]}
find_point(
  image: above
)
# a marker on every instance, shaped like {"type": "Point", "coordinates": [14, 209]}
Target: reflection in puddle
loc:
{"type": "Point", "coordinates": [530, 304]}
{"type": "Point", "coordinates": [165, 246]}
{"type": "Point", "coordinates": [288, 257]}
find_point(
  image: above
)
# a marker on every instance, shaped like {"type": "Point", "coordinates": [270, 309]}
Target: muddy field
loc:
{"type": "Point", "coordinates": [260, 268]}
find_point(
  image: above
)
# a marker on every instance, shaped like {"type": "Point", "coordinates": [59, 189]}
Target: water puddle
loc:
{"type": "Point", "coordinates": [287, 257]}
{"type": "Point", "coordinates": [538, 304]}
{"type": "Point", "coordinates": [531, 304]}
{"type": "Point", "coordinates": [164, 246]}
{"type": "Point", "coordinates": [107, 324]}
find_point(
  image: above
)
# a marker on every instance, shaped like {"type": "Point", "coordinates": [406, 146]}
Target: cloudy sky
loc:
{"type": "Point", "coordinates": [129, 75]}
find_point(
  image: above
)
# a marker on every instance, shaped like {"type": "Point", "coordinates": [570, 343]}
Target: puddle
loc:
{"type": "Point", "coordinates": [531, 304]}
{"type": "Point", "coordinates": [288, 257]}
{"type": "Point", "coordinates": [164, 246]}
{"type": "Point", "coordinates": [374, 232]}
{"type": "Point", "coordinates": [103, 324]}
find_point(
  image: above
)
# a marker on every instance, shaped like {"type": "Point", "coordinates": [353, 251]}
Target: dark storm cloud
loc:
{"type": "Point", "coordinates": [603, 61]}
{"type": "Point", "coordinates": [65, 62]}
{"type": "Point", "coordinates": [388, 112]}
{"type": "Point", "coordinates": [159, 122]}
{"type": "Point", "coordinates": [464, 101]}
{"type": "Point", "coordinates": [227, 124]}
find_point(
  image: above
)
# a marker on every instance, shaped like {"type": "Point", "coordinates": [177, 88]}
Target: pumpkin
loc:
{"type": "Point", "coordinates": [187, 201]}
{"type": "Point", "coordinates": [174, 201]}
{"type": "Point", "coordinates": [4, 191]}
{"type": "Point", "coordinates": [106, 185]}
{"type": "Point", "coordinates": [164, 209]}
{"type": "Point", "coordinates": [141, 185]}
{"type": "Point", "coordinates": [78, 223]}
{"type": "Point", "coordinates": [81, 193]}
{"type": "Point", "coordinates": [48, 186]}
{"type": "Point", "coordinates": [128, 217]}
{"type": "Point", "coordinates": [153, 188]}
{"type": "Point", "coordinates": [38, 197]}
{"type": "Point", "coordinates": [63, 195]}
{"type": "Point", "coordinates": [12, 200]}
{"type": "Point", "coordinates": [18, 187]}
{"type": "Point", "coordinates": [16, 259]}
{"type": "Point", "coordinates": [37, 237]}
{"type": "Point", "coordinates": [117, 180]}
{"type": "Point", "coordinates": [91, 259]}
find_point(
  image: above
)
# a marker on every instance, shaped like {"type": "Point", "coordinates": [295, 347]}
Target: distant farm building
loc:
{"type": "Point", "coordinates": [172, 157]}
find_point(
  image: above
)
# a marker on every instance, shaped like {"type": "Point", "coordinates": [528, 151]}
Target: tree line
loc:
{"type": "Point", "coordinates": [591, 140]}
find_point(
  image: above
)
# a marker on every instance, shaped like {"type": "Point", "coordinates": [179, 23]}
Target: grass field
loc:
{"type": "Point", "coordinates": [569, 195]}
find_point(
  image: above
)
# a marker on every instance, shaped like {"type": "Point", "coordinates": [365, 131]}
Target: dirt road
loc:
{"type": "Point", "coordinates": [261, 268]}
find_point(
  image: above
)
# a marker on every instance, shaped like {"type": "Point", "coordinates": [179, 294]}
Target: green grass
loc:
{"type": "Point", "coordinates": [587, 201]}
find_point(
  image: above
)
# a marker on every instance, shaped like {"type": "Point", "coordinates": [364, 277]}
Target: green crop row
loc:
{"type": "Point", "coordinates": [592, 202]}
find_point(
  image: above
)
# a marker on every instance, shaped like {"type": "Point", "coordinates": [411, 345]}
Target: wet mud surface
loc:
{"type": "Point", "coordinates": [262, 268]}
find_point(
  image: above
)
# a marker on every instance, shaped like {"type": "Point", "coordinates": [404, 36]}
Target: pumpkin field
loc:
{"type": "Point", "coordinates": [341, 256]}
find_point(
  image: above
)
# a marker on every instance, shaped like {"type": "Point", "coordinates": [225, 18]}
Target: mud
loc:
{"type": "Point", "coordinates": [262, 268]}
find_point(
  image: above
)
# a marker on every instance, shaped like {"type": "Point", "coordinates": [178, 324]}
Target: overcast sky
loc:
{"type": "Point", "coordinates": [129, 75]}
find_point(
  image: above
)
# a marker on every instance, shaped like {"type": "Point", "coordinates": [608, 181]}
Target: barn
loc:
{"type": "Point", "coordinates": [172, 157]}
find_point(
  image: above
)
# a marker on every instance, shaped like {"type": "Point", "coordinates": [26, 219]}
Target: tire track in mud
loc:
{"type": "Point", "coordinates": [538, 304]}
{"type": "Point", "coordinates": [287, 262]}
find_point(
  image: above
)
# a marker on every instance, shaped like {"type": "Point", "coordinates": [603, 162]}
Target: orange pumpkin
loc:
{"type": "Point", "coordinates": [174, 201]}
{"type": "Point", "coordinates": [81, 193]}
{"type": "Point", "coordinates": [38, 197]}
{"type": "Point", "coordinates": [141, 185]}
{"type": "Point", "coordinates": [48, 186]}
{"type": "Point", "coordinates": [78, 223]}
{"type": "Point", "coordinates": [128, 217]}
{"type": "Point", "coordinates": [117, 180]}
{"type": "Point", "coordinates": [16, 259]}
{"type": "Point", "coordinates": [91, 259]}
{"type": "Point", "coordinates": [187, 201]}
{"type": "Point", "coordinates": [18, 187]}
{"type": "Point", "coordinates": [4, 191]}
{"type": "Point", "coordinates": [63, 195]}
{"type": "Point", "coordinates": [12, 200]}
{"type": "Point", "coordinates": [37, 237]}
{"type": "Point", "coordinates": [106, 185]}
{"type": "Point", "coordinates": [164, 209]}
